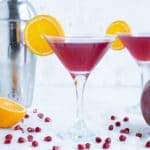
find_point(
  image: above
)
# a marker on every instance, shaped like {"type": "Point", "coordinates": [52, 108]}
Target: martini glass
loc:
{"type": "Point", "coordinates": [79, 55]}
{"type": "Point", "coordinates": [139, 47]}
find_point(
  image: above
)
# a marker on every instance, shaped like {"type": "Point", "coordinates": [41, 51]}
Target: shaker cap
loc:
{"type": "Point", "coordinates": [16, 10]}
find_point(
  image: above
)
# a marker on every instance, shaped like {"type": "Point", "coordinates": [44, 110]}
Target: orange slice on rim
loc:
{"type": "Point", "coordinates": [114, 28]}
{"type": "Point", "coordinates": [10, 112]}
{"type": "Point", "coordinates": [35, 29]}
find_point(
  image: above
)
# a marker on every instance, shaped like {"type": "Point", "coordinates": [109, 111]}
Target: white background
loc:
{"type": "Point", "coordinates": [93, 17]}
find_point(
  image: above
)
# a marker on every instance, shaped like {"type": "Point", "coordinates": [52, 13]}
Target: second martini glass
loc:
{"type": "Point", "coordinates": [79, 55]}
{"type": "Point", "coordinates": [139, 47]}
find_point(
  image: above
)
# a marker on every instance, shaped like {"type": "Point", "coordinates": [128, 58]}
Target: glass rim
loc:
{"type": "Point", "coordinates": [81, 38]}
{"type": "Point", "coordinates": [136, 34]}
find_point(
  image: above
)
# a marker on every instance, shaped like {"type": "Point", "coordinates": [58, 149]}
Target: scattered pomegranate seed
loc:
{"type": "Point", "coordinates": [7, 141]}
{"type": "Point", "coordinates": [35, 144]}
{"type": "Point", "coordinates": [138, 135]}
{"type": "Point", "coordinates": [118, 124]}
{"type": "Point", "coordinates": [125, 131]}
{"type": "Point", "coordinates": [108, 140]}
{"type": "Point", "coordinates": [47, 138]}
{"type": "Point", "coordinates": [106, 145]}
{"type": "Point", "coordinates": [8, 136]}
{"type": "Point", "coordinates": [81, 147]}
{"type": "Point", "coordinates": [147, 144]}
{"type": "Point", "coordinates": [40, 115]}
{"type": "Point", "coordinates": [98, 140]}
{"type": "Point", "coordinates": [17, 127]}
{"type": "Point", "coordinates": [26, 116]}
{"type": "Point", "coordinates": [126, 119]}
{"type": "Point", "coordinates": [55, 148]}
{"type": "Point", "coordinates": [122, 138]}
{"type": "Point", "coordinates": [30, 129]}
{"type": "Point", "coordinates": [47, 119]}
{"type": "Point", "coordinates": [30, 138]}
{"type": "Point", "coordinates": [38, 129]}
{"type": "Point", "coordinates": [21, 140]}
{"type": "Point", "coordinates": [113, 117]}
{"type": "Point", "coordinates": [35, 110]}
{"type": "Point", "coordinates": [110, 127]}
{"type": "Point", "coordinates": [87, 145]}
{"type": "Point", "coordinates": [22, 130]}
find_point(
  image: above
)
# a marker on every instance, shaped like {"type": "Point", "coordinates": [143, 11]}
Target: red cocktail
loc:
{"type": "Point", "coordinates": [79, 55]}
{"type": "Point", "coordinates": [138, 46]}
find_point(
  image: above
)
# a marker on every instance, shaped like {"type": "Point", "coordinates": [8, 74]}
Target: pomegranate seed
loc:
{"type": "Point", "coordinates": [106, 145]}
{"type": "Point", "coordinates": [108, 140]}
{"type": "Point", "coordinates": [87, 145]}
{"type": "Point", "coordinates": [47, 119]}
{"type": "Point", "coordinates": [126, 130]}
{"type": "Point", "coordinates": [47, 138]}
{"type": "Point", "coordinates": [17, 127]}
{"type": "Point", "coordinates": [21, 140]}
{"type": "Point", "coordinates": [38, 129]}
{"type": "Point", "coordinates": [40, 115]}
{"type": "Point", "coordinates": [55, 148]}
{"type": "Point", "coordinates": [35, 144]}
{"type": "Point", "coordinates": [7, 141]}
{"type": "Point", "coordinates": [98, 140]}
{"type": "Point", "coordinates": [118, 124]}
{"type": "Point", "coordinates": [138, 135]}
{"type": "Point", "coordinates": [110, 127]}
{"type": "Point", "coordinates": [147, 144]}
{"type": "Point", "coordinates": [22, 130]}
{"type": "Point", "coordinates": [8, 136]}
{"type": "Point", "coordinates": [81, 147]}
{"type": "Point", "coordinates": [29, 129]}
{"type": "Point", "coordinates": [30, 138]}
{"type": "Point", "coordinates": [122, 138]}
{"type": "Point", "coordinates": [112, 117]}
{"type": "Point", "coordinates": [35, 110]}
{"type": "Point", "coordinates": [126, 119]}
{"type": "Point", "coordinates": [26, 116]}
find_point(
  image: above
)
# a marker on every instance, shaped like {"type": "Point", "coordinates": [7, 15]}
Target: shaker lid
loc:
{"type": "Point", "coordinates": [16, 10]}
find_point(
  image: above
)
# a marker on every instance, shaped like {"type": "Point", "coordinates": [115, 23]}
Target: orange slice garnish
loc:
{"type": "Point", "coordinates": [36, 28]}
{"type": "Point", "coordinates": [10, 112]}
{"type": "Point", "coordinates": [116, 27]}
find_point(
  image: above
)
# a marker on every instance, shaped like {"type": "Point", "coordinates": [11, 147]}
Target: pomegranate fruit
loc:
{"type": "Point", "coordinates": [145, 102]}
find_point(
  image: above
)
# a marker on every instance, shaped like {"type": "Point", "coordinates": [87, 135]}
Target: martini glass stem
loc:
{"type": "Point", "coordinates": [145, 73]}
{"type": "Point", "coordinates": [80, 82]}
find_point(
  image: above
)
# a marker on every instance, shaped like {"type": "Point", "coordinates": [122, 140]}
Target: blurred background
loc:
{"type": "Point", "coordinates": [117, 69]}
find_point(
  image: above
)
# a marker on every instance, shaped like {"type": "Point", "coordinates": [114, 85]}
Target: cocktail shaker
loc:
{"type": "Point", "coordinates": [17, 63]}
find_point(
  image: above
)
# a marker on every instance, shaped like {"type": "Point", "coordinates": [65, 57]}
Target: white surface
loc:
{"type": "Point", "coordinates": [58, 102]}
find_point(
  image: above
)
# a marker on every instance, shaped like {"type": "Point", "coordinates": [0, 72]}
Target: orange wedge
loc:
{"type": "Point", "coordinates": [116, 27]}
{"type": "Point", "coordinates": [35, 30]}
{"type": "Point", "coordinates": [10, 112]}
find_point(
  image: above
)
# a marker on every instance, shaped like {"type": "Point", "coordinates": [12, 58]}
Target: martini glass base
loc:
{"type": "Point", "coordinates": [78, 133]}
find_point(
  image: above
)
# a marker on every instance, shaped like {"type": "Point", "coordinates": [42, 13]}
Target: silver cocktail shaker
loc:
{"type": "Point", "coordinates": [17, 63]}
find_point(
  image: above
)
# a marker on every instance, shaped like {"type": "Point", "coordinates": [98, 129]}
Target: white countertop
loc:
{"type": "Point", "coordinates": [58, 102]}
